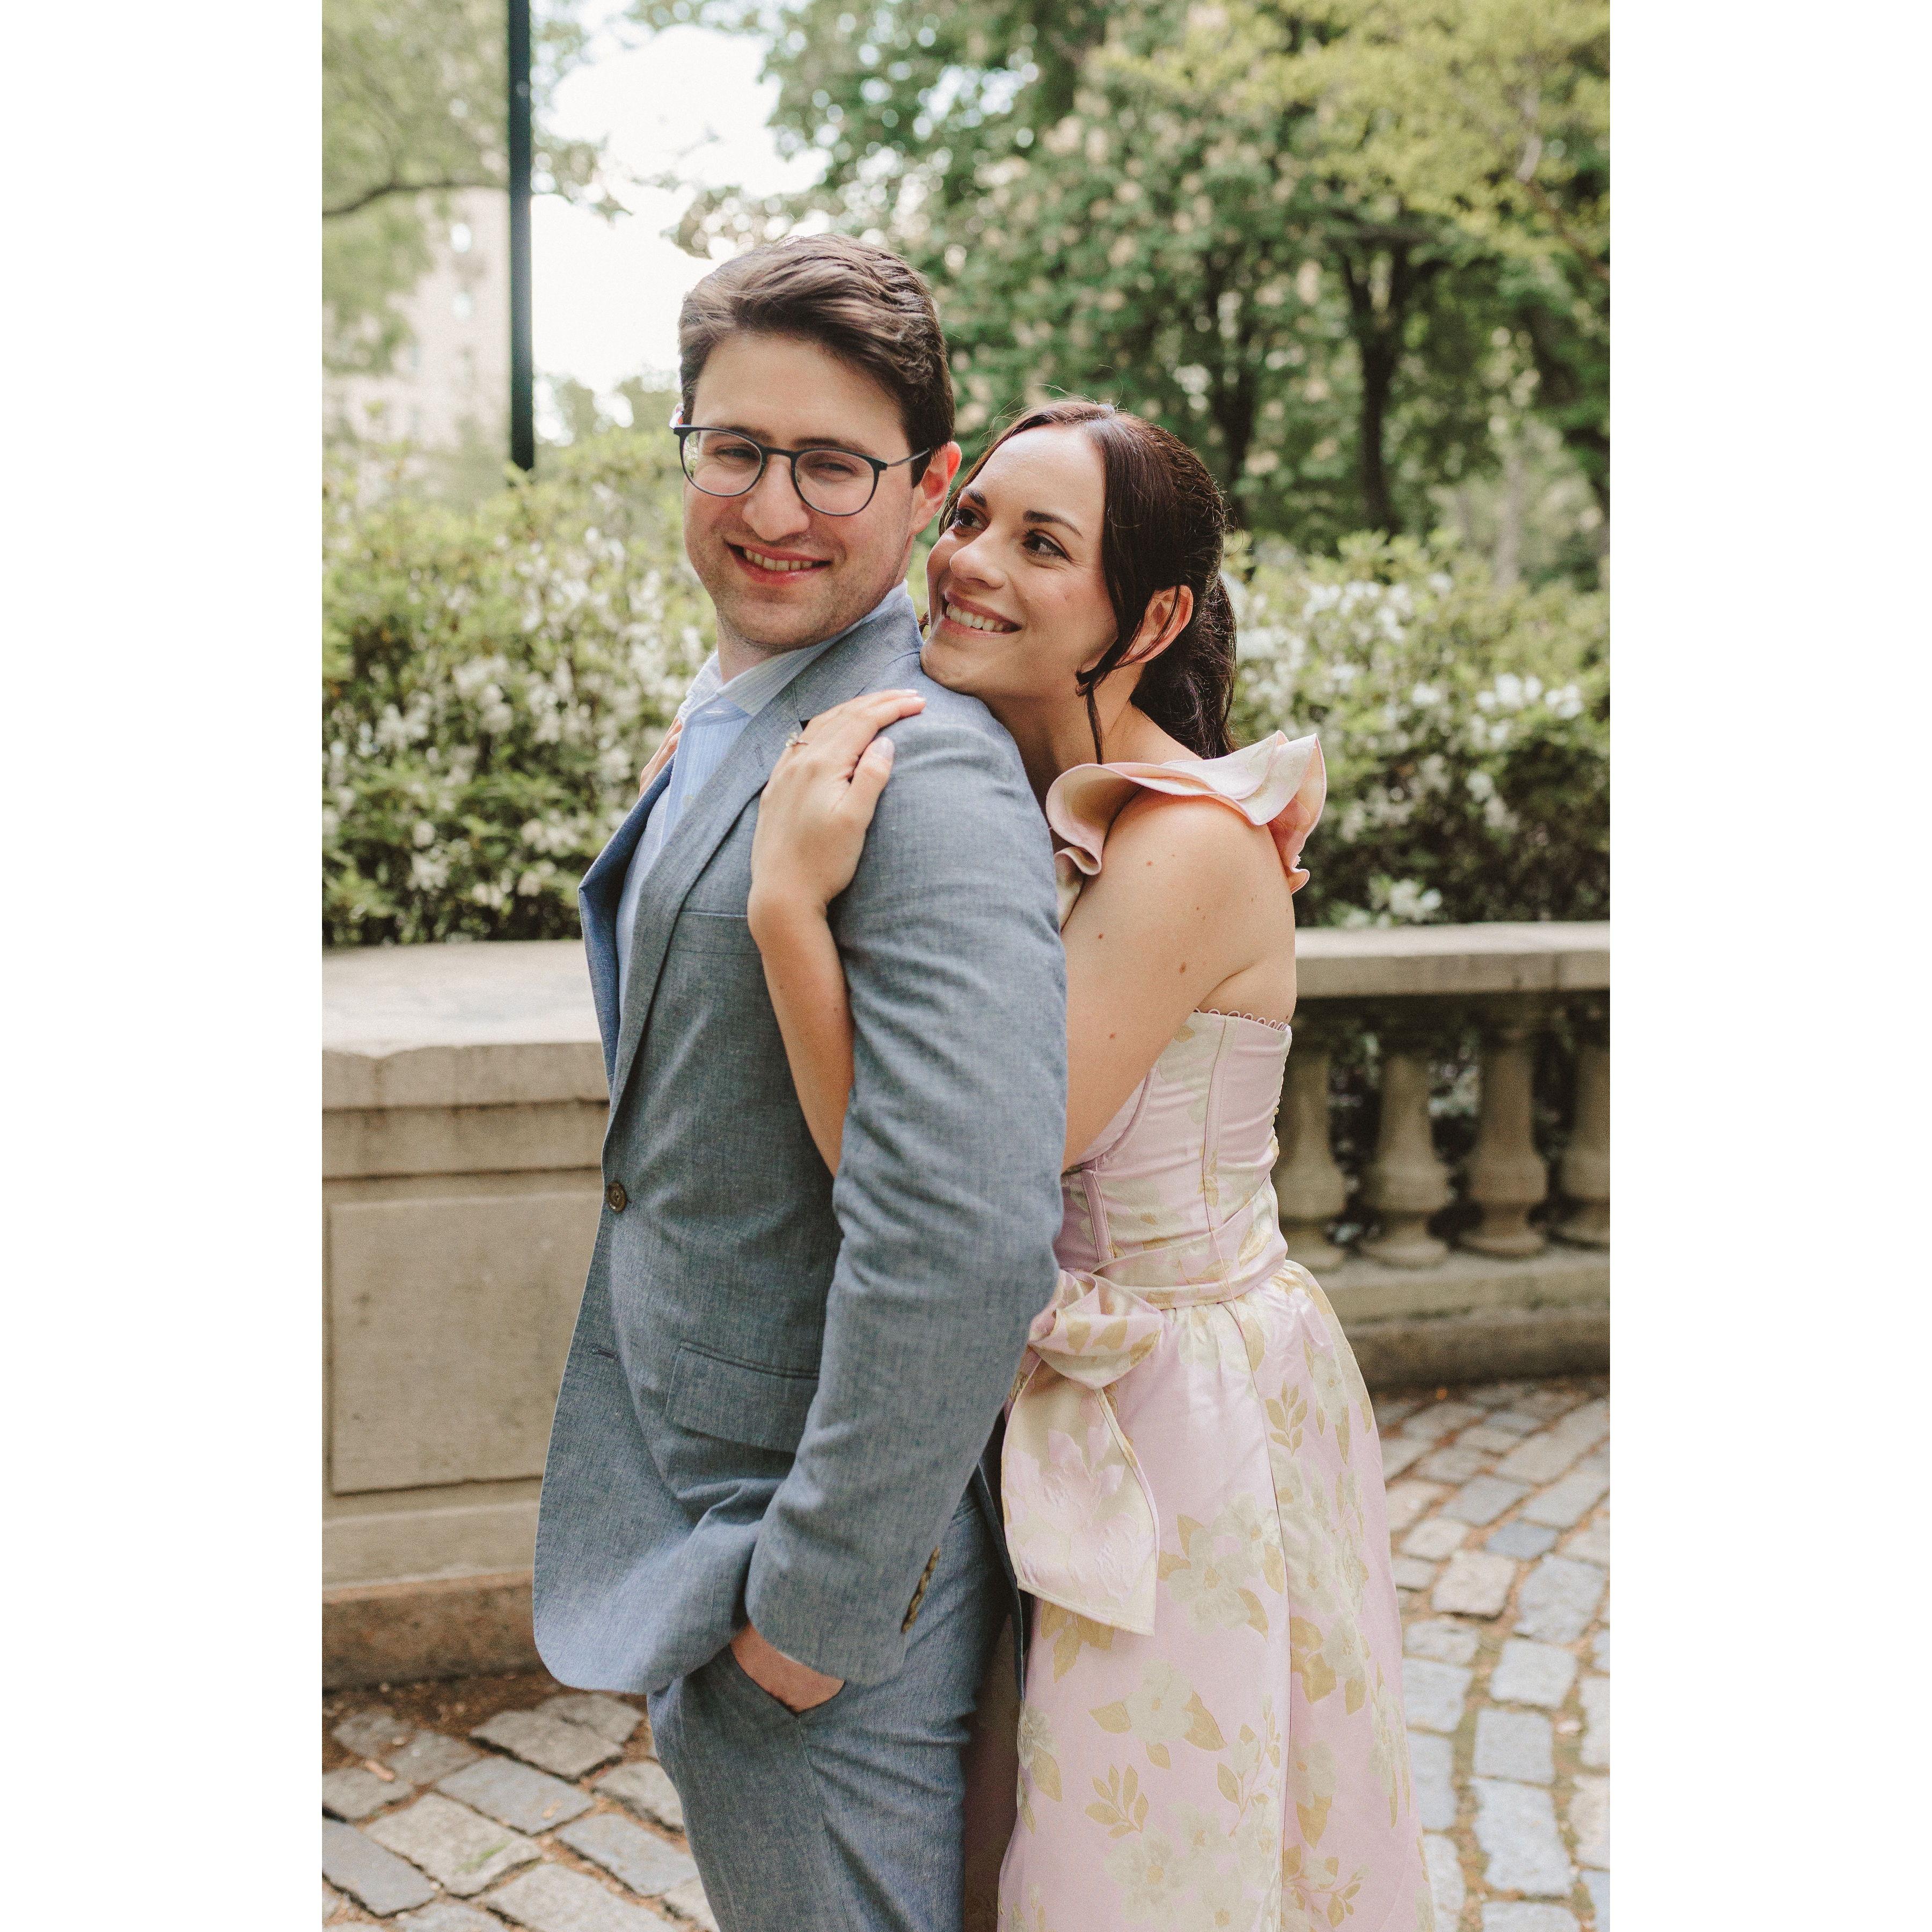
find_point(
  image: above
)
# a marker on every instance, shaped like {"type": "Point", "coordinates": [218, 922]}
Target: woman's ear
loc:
{"type": "Point", "coordinates": [1168, 613]}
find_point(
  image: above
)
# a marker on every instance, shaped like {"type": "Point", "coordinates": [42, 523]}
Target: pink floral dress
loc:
{"type": "Point", "coordinates": [1212, 1736]}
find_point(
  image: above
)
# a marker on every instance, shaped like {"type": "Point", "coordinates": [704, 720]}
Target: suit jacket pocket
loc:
{"type": "Point", "coordinates": [710, 1396]}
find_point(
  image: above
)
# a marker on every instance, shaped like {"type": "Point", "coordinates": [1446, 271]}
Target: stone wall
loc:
{"type": "Point", "coordinates": [463, 1103]}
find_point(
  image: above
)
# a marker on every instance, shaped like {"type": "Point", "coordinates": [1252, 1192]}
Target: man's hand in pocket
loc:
{"type": "Point", "coordinates": [796, 1686]}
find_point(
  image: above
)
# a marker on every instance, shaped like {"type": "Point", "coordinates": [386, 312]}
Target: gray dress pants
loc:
{"type": "Point", "coordinates": [847, 1817]}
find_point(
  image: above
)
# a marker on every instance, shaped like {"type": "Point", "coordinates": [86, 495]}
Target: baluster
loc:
{"type": "Point", "coordinates": [1406, 1183]}
{"type": "Point", "coordinates": [1310, 1187]}
{"type": "Point", "coordinates": [1506, 1176]}
{"type": "Point", "coordinates": [1585, 1175]}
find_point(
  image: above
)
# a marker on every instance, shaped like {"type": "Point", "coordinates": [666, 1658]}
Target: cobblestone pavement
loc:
{"type": "Point", "coordinates": [1499, 1512]}
{"type": "Point", "coordinates": [471, 1806]}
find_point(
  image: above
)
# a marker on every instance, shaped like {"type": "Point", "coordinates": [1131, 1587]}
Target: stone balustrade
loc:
{"type": "Point", "coordinates": [1508, 1273]}
{"type": "Point", "coordinates": [464, 1104]}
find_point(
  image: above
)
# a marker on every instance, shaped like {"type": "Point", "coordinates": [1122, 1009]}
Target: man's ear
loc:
{"type": "Point", "coordinates": [929, 493]}
{"type": "Point", "coordinates": [1167, 612]}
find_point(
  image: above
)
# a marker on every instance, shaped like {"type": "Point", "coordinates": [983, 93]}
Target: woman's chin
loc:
{"type": "Point", "coordinates": [943, 665]}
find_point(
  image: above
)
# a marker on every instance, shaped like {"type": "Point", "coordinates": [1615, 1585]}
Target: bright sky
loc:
{"type": "Point", "coordinates": [605, 296]}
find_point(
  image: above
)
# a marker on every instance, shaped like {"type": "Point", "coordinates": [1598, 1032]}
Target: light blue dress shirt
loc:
{"type": "Point", "coordinates": [714, 713]}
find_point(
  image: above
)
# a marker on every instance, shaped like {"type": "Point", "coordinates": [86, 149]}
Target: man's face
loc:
{"type": "Point", "coordinates": [792, 395]}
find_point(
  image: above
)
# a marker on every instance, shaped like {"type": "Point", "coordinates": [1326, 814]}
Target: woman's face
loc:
{"type": "Point", "coordinates": [1017, 603]}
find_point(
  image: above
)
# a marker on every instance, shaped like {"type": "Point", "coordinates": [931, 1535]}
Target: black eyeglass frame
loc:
{"type": "Point", "coordinates": [879, 466]}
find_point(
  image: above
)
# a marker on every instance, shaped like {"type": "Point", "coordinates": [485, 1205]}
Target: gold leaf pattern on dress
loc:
{"type": "Point", "coordinates": [1203, 1730]}
{"type": "Point", "coordinates": [1306, 1659]}
{"type": "Point", "coordinates": [1121, 1806]}
{"type": "Point", "coordinates": [1030, 1918]}
{"type": "Point", "coordinates": [1040, 1769]}
{"type": "Point", "coordinates": [1065, 1631]}
{"type": "Point", "coordinates": [1242, 1749]}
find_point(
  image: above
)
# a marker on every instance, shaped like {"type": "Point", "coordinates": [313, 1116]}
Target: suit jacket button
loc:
{"type": "Point", "coordinates": [615, 1198]}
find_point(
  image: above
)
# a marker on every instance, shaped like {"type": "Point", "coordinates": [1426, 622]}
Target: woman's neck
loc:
{"type": "Point", "coordinates": [1054, 737]}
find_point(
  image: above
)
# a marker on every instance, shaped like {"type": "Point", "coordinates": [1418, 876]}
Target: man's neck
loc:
{"type": "Point", "coordinates": [736, 655]}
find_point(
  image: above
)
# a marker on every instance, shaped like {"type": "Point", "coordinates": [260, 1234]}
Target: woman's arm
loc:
{"type": "Point", "coordinates": [1190, 898]}
{"type": "Point", "coordinates": [811, 828]}
{"type": "Point", "coordinates": [807, 983]}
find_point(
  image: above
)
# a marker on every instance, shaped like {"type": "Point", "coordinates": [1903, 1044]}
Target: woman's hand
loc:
{"type": "Point", "coordinates": [661, 756]}
{"type": "Point", "coordinates": [818, 804]}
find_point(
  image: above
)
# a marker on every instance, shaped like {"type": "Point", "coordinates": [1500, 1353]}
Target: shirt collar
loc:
{"type": "Point", "coordinates": [750, 690]}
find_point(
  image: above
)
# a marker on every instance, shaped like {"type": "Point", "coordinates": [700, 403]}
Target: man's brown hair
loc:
{"type": "Point", "coordinates": [858, 303]}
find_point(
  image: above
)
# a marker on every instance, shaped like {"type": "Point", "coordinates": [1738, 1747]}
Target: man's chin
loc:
{"type": "Point", "coordinates": [766, 629]}
{"type": "Point", "coordinates": [787, 620]}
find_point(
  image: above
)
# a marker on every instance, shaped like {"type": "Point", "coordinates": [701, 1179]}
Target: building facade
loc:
{"type": "Point", "coordinates": [450, 384]}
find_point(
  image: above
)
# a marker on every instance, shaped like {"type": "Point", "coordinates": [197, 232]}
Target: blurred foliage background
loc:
{"type": "Point", "coordinates": [1356, 256]}
{"type": "Point", "coordinates": [413, 112]}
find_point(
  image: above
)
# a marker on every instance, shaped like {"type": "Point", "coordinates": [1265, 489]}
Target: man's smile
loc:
{"type": "Point", "coordinates": [770, 566]}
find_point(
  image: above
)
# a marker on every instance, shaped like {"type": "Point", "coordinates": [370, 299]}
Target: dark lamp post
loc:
{"type": "Point", "coordinates": [523, 416]}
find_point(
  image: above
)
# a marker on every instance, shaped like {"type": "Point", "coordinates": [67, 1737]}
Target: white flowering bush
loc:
{"type": "Point", "coordinates": [1465, 728]}
{"type": "Point", "coordinates": [493, 680]}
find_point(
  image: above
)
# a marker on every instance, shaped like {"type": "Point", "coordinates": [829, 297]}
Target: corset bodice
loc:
{"type": "Point", "coordinates": [1177, 1192]}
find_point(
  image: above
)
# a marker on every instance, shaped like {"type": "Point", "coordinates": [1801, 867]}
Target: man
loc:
{"type": "Point", "coordinates": [763, 1505]}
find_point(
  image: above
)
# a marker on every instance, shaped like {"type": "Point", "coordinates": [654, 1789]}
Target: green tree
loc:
{"type": "Point", "coordinates": [1492, 116]}
{"type": "Point", "coordinates": [413, 111]}
{"type": "Point", "coordinates": [1162, 204]}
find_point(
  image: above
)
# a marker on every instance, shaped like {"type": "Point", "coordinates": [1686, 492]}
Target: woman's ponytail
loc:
{"type": "Point", "coordinates": [1188, 690]}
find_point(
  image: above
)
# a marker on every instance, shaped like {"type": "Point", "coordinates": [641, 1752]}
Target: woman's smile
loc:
{"type": "Point", "coordinates": [957, 611]}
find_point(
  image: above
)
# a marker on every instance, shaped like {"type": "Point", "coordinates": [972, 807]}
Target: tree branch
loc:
{"type": "Point", "coordinates": [1524, 172]}
{"type": "Point", "coordinates": [357, 202]}
{"type": "Point", "coordinates": [1555, 216]}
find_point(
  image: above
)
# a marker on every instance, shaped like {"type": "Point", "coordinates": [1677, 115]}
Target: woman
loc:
{"type": "Point", "coordinates": [1212, 1735]}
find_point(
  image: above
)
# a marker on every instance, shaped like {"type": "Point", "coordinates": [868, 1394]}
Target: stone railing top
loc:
{"type": "Point", "coordinates": [510, 1021]}
{"type": "Point", "coordinates": [1387, 962]}
{"type": "Point", "coordinates": [501, 1023]}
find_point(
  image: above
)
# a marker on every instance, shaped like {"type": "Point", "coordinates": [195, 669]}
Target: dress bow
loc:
{"type": "Point", "coordinates": [1081, 1524]}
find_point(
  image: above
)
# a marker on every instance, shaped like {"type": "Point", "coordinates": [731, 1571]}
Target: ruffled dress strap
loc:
{"type": "Point", "coordinates": [1280, 782]}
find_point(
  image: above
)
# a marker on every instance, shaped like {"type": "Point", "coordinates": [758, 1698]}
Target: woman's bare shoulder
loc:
{"type": "Point", "coordinates": [1178, 864]}
{"type": "Point", "coordinates": [1203, 835]}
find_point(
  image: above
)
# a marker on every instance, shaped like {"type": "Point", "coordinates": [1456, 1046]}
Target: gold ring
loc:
{"type": "Point", "coordinates": [795, 738]}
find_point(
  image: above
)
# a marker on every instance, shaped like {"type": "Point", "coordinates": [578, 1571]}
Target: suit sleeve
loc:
{"type": "Point", "coordinates": [947, 1197]}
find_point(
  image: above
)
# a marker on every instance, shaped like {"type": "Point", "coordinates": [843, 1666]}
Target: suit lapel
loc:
{"type": "Point", "coordinates": [841, 672]}
{"type": "Point", "coordinates": [597, 899]}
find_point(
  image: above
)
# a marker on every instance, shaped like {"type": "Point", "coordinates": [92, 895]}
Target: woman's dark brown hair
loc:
{"type": "Point", "coordinates": [1163, 525]}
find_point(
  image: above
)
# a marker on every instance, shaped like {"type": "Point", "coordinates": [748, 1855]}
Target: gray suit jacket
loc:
{"type": "Point", "coordinates": [779, 1388]}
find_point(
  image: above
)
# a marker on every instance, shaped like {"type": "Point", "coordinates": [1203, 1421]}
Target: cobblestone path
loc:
{"type": "Point", "coordinates": [1499, 1511]}
{"type": "Point", "coordinates": [471, 1806]}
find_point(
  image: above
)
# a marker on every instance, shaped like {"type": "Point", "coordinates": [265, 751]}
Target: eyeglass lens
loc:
{"type": "Point", "coordinates": [830, 481]}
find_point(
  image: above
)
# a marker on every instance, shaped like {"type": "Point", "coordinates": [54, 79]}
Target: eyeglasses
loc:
{"type": "Point", "coordinates": [834, 482]}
